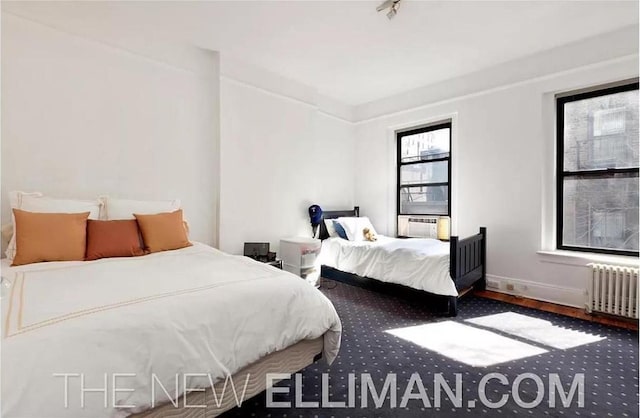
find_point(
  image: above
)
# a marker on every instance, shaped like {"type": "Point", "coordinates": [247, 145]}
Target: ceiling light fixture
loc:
{"type": "Point", "coordinates": [392, 5]}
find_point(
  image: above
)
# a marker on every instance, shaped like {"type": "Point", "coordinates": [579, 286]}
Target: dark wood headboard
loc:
{"type": "Point", "coordinates": [333, 214]}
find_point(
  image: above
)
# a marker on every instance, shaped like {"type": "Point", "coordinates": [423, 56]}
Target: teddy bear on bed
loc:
{"type": "Point", "coordinates": [369, 235]}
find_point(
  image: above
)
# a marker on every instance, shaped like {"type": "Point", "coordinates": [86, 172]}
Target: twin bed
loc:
{"type": "Point", "coordinates": [441, 271]}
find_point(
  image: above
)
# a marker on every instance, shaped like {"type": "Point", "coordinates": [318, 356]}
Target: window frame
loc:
{"type": "Point", "coordinates": [604, 173]}
{"type": "Point", "coordinates": [399, 164]}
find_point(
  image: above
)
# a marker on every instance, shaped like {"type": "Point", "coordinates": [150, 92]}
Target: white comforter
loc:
{"type": "Point", "coordinates": [194, 310]}
{"type": "Point", "coordinates": [418, 263]}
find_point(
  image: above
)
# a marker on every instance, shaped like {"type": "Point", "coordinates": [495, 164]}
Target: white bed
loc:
{"type": "Point", "coordinates": [422, 264]}
{"type": "Point", "coordinates": [194, 310]}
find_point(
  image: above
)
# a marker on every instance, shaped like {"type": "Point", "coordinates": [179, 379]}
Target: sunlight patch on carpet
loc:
{"type": "Point", "coordinates": [466, 344]}
{"type": "Point", "coordinates": [536, 330]}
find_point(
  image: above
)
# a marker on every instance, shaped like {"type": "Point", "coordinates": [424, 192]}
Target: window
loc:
{"type": "Point", "coordinates": [424, 170]}
{"type": "Point", "coordinates": [598, 163]}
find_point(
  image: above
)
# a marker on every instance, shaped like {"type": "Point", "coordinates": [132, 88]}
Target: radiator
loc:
{"type": "Point", "coordinates": [613, 290]}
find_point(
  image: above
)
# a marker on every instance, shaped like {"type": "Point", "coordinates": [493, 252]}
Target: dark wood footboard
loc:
{"type": "Point", "coordinates": [467, 265]}
{"type": "Point", "coordinates": [467, 260]}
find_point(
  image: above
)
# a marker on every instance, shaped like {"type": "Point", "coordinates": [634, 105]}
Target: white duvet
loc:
{"type": "Point", "coordinates": [422, 264]}
{"type": "Point", "coordinates": [194, 310]}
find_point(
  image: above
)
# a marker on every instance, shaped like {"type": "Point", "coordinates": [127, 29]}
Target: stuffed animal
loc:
{"type": "Point", "coordinates": [369, 235]}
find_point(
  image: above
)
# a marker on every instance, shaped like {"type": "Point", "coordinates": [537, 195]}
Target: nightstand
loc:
{"type": "Point", "coordinates": [277, 263]}
{"type": "Point", "coordinates": [300, 257]}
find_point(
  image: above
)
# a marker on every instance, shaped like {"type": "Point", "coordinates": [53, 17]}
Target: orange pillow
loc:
{"type": "Point", "coordinates": [119, 238]}
{"type": "Point", "coordinates": [163, 231]}
{"type": "Point", "coordinates": [49, 236]}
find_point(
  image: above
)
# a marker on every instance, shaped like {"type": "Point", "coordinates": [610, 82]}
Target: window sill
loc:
{"type": "Point", "coordinates": [576, 258]}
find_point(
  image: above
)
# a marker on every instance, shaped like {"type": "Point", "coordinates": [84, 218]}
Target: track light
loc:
{"type": "Point", "coordinates": [385, 5]}
{"type": "Point", "coordinates": [392, 5]}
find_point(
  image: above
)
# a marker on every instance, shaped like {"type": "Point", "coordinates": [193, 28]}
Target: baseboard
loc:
{"type": "Point", "coordinates": [539, 291]}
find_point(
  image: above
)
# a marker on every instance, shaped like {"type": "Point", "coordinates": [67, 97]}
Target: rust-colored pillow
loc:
{"type": "Point", "coordinates": [163, 231]}
{"type": "Point", "coordinates": [49, 236]}
{"type": "Point", "coordinates": [120, 238]}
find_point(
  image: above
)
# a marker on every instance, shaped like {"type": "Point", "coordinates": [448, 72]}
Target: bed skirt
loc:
{"type": "Point", "coordinates": [289, 360]}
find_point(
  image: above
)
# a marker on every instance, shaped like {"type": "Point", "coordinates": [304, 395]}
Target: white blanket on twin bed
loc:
{"type": "Point", "coordinates": [418, 263]}
{"type": "Point", "coordinates": [194, 310]}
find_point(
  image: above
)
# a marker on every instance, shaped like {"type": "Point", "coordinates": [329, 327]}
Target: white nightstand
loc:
{"type": "Point", "coordinates": [300, 256]}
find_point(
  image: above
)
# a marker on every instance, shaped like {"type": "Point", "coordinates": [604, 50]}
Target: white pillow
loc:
{"type": "Point", "coordinates": [353, 227]}
{"type": "Point", "coordinates": [331, 229]}
{"type": "Point", "coordinates": [125, 208]}
{"type": "Point", "coordinates": [7, 233]}
{"type": "Point", "coordinates": [36, 202]}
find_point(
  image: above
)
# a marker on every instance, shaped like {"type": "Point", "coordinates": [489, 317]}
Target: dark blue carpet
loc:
{"type": "Point", "coordinates": [610, 366]}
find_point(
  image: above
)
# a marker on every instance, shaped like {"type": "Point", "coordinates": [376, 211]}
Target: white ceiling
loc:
{"type": "Point", "coordinates": [344, 48]}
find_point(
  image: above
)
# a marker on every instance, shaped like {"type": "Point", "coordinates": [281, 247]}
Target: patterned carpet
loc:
{"type": "Point", "coordinates": [610, 366]}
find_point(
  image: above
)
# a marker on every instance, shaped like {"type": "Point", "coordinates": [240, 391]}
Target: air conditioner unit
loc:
{"type": "Point", "coordinates": [415, 226]}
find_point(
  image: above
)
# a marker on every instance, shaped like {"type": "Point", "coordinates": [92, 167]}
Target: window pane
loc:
{"type": "Point", "coordinates": [601, 213]}
{"type": "Point", "coordinates": [437, 172]}
{"type": "Point", "coordinates": [425, 146]}
{"type": "Point", "coordinates": [427, 200]}
{"type": "Point", "coordinates": [601, 132]}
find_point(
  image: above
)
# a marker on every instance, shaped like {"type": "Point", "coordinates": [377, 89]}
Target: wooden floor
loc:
{"type": "Point", "coordinates": [559, 309]}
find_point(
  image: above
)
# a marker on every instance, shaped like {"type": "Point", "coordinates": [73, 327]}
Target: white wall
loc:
{"type": "Point", "coordinates": [281, 153]}
{"type": "Point", "coordinates": [503, 173]}
{"type": "Point", "coordinates": [87, 117]}
{"type": "Point", "coordinates": [253, 150]}
{"type": "Point", "coordinates": [82, 118]}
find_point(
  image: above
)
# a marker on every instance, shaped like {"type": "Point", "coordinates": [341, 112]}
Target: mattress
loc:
{"type": "Point", "coordinates": [253, 377]}
{"type": "Point", "coordinates": [159, 319]}
{"type": "Point", "coordinates": [419, 263]}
